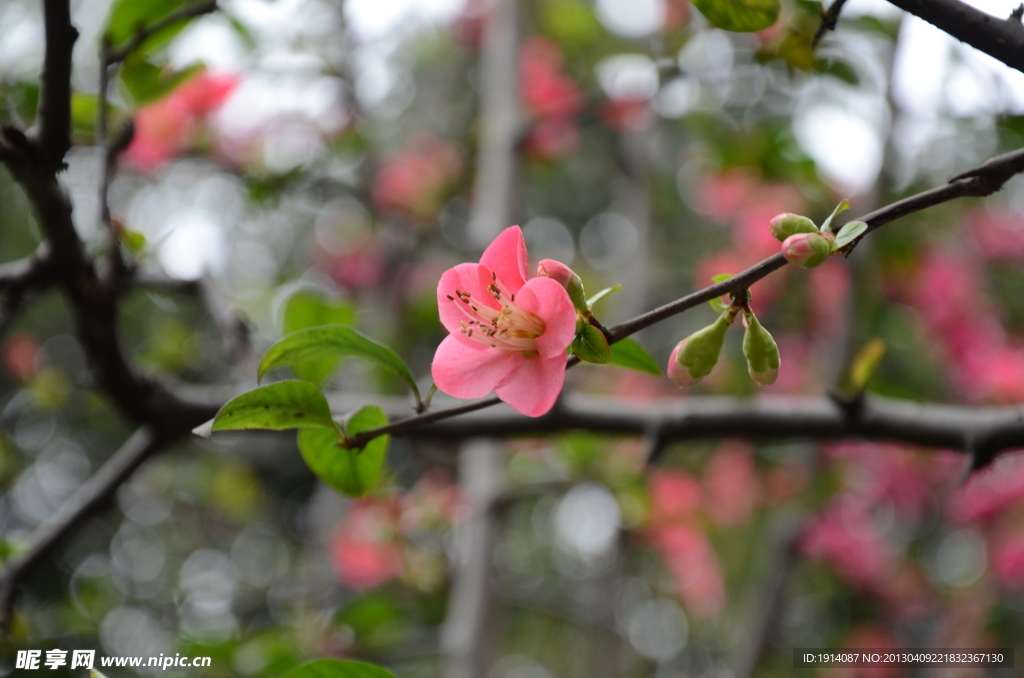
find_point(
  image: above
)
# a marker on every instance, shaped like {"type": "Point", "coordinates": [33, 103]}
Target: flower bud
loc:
{"type": "Point", "coordinates": [785, 225]}
{"type": "Point", "coordinates": [567, 278]}
{"type": "Point", "coordinates": [761, 351]}
{"type": "Point", "coordinates": [807, 250]}
{"type": "Point", "coordinates": [694, 357]}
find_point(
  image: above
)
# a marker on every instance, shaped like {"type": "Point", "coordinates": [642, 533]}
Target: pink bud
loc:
{"type": "Point", "coordinates": [807, 250]}
{"type": "Point", "coordinates": [678, 372]}
{"type": "Point", "coordinates": [567, 278]}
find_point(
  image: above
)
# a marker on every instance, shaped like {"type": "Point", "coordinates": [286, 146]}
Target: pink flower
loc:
{"type": "Point", "coordinates": [731, 484]}
{"type": "Point", "coordinates": [363, 549]}
{"type": "Point", "coordinates": [694, 566]}
{"type": "Point", "coordinates": [1008, 562]}
{"type": "Point", "coordinates": [413, 183]}
{"type": "Point", "coordinates": [167, 128]}
{"type": "Point", "coordinates": [507, 334]}
{"type": "Point", "coordinates": [21, 356]}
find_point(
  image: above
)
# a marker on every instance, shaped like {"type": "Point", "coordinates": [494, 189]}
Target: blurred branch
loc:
{"type": "Point", "coordinates": [981, 181]}
{"type": "Point", "coordinates": [146, 32]}
{"type": "Point", "coordinates": [53, 122]}
{"type": "Point", "coordinates": [88, 500]}
{"type": "Point", "coordinates": [23, 279]}
{"type": "Point", "coordinates": [999, 38]}
{"type": "Point", "coordinates": [954, 427]}
{"type": "Point", "coordinates": [828, 21]}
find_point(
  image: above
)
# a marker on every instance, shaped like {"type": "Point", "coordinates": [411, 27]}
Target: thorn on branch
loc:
{"type": "Point", "coordinates": [1018, 13]}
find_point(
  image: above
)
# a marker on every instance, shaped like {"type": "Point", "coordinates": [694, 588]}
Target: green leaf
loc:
{"type": "Point", "coordinates": [591, 345]}
{"type": "Point", "coordinates": [721, 277]}
{"type": "Point", "coordinates": [629, 353]}
{"type": "Point", "coordinates": [333, 341]}
{"type": "Point", "coordinates": [309, 309]}
{"type": "Point", "coordinates": [741, 16]}
{"type": "Point", "coordinates": [351, 472]}
{"type": "Point", "coordinates": [848, 233]}
{"type": "Point", "coordinates": [128, 16]}
{"type": "Point", "coordinates": [865, 363]}
{"type": "Point", "coordinates": [146, 82]}
{"type": "Point", "coordinates": [277, 407]}
{"type": "Point", "coordinates": [83, 112]}
{"type": "Point", "coordinates": [602, 294]}
{"type": "Point", "coordinates": [841, 207]}
{"type": "Point", "coordinates": [336, 668]}
{"type": "Point", "coordinates": [717, 304]}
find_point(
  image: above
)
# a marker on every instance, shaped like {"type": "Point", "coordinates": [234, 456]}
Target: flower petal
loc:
{"type": "Point", "coordinates": [506, 257]}
{"type": "Point", "coordinates": [532, 387]}
{"type": "Point", "coordinates": [466, 372]}
{"type": "Point", "coordinates": [471, 278]}
{"type": "Point", "coordinates": [546, 299]}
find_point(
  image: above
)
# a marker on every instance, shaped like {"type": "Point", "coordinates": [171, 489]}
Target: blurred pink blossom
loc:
{"type": "Point", "coordinates": [551, 98]}
{"type": "Point", "coordinates": [675, 496]}
{"type": "Point", "coordinates": [998, 232]}
{"type": "Point", "coordinates": [991, 491]}
{"type": "Point", "coordinates": [627, 114]}
{"type": "Point", "coordinates": [844, 537]}
{"type": "Point", "coordinates": [21, 355]}
{"type": "Point", "coordinates": [169, 127]}
{"type": "Point", "coordinates": [363, 549]}
{"type": "Point", "coordinates": [413, 182]}
{"type": "Point", "coordinates": [694, 566]}
{"type": "Point", "coordinates": [1008, 562]}
{"type": "Point", "coordinates": [731, 484]}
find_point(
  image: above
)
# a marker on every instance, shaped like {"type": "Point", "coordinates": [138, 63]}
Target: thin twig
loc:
{"type": "Point", "coordinates": [978, 182]}
{"type": "Point", "coordinates": [86, 501]}
{"type": "Point", "coordinates": [118, 54]}
{"type": "Point", "coordinates": [828, 21]}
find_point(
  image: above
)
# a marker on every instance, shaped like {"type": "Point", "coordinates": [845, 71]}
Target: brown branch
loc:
{"type": "Point", "coordinates": [53, 122]}
{"type": "Point", "coordinates": [941, 426]}
{"type": "Point", "coordinates": [978, 182]}
{"type": "Point", "coordinates": [88, 500]}
{"type": "Point", "coordinates": [22, 280]}
{"type": "Point", "coordinates": [999, 38]}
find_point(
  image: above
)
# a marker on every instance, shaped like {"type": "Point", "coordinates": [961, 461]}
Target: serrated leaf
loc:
{"type": "Point", "coordinates": [277, 407]}
{"type": "Point", "coordinates": [630, 354]}
{"type": "Point", "coordinates": [590, 345]}
{"type": "Point", "coordinates": [602, 294]}
{"type": "Point", "coordinates": [841, 207]}
{"type": "Point", "coordinates": [741, 16]}
{"type": "Point", "coordinates": [307, 309]}
{"type": "Point", "coordinates": [336, 668]}
{"type": "Point", "coordinates": [865, 363]}
{"type": "Point", "coordinates": [333, 341]}
{"type": "Point", "coordinates": [351, 472]}
{"type": "Point", "coordinates": [848, 233]}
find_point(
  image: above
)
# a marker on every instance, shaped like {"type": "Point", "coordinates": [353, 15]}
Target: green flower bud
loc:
{"type": "Point", "coordinates": [695, 357]}
{"type": "Point", "coordinates": [761, 351]}
{"type": "Point", "coordinates": [785, 225]}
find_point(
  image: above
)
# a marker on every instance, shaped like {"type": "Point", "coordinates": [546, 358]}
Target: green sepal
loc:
{"type": "Point", "coordinates": [700, 355]}
{"type": "Point", "coordinates": [761, 352]}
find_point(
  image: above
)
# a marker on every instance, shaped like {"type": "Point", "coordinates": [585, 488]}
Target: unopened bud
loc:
{"type": "Point", "coordinates": [567, 278]}
{"type": "Point", "coordinates": [807, 250]}
{"type": "Point", "coordinates": [694, 357]}
{"type": "Point", "coordinates": [761, 351]}
{"type": "Point", "coordinates": [785, 225]}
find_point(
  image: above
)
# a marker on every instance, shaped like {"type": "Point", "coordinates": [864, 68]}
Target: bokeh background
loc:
{"type": "Point", "coordinates": [327, 148]}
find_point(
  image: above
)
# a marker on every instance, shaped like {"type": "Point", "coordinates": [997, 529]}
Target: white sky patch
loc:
{"type": "Point", "coordinates": [374, 19]}
{"type": "Point", "coordinates": [633, 76]}
{"type": "Point", "coordinates": [845, 146]}
{"type": "Point", "coordinates": [631, 18]}
{"type": "Point", "coordinates": [933, 72]}
{"type": "Point", "coordinates": [195, 245]}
